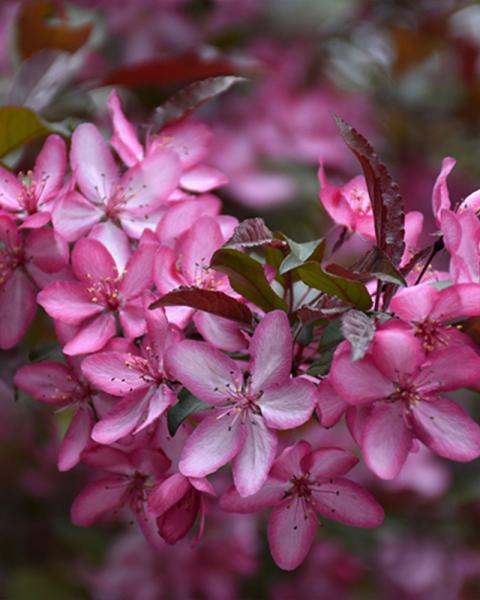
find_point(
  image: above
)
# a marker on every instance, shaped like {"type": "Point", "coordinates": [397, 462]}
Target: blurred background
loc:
{"type": "Point", "coordinates": [406, 73]}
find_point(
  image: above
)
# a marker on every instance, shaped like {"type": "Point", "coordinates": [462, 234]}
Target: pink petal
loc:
{"type": "Point", "coordinates": [76, 439]}
{"type": "Point", "coordinates": [121, 420]}
{"type": "Point", "coordinates": [413, 230]}
{"type": "Point", "coordinates": [289, 463]}
{"type": "Point", "coordinates": [159, 399]}
{"type": "Point", "coordinates": [446, 429]}
{"type": "Point", "coordinates": [138, 272]}
{"type": "Point", "coordinates": [360, 381]}
{"type": "Point", "coordinates": [47, 381]}
{"type": "Point", "coordinates": [115, 241]}
{"type": "Point", "coordinates": [289, 405]}
{"type": "Point", "coordinates": [188, 140]}
{"type": "Point", "coordinates": [356, 418]}
{"type": "Point", "coordinates": [440, 195]}
{"type": "Point", "coordinates": [35, 221]}
{"type": "Point", "coordinates": [132, 318]}
{"type": "Point", "coordinates": [93, 336]}
{"type": "Point", "coordinates": [202, 179]}
{"type": "Point", "coordinates": [347, 502]}
{"type": "Point", "coordinates": [291, 531]}
{"type": "Point", "coordinates": [213, 443]}
{"type": "Point", "coordinates": [10, 190]}
{"type": "Point", "coordinates": [448, 369]}
{"type": "Point", "coordinates": [331, 406]}
{"type": "Point", "coordinates": [271, 351]}
{"type": "Point", "coordinates": [181, 216]}
{"type": "Point", "coordinates": [50, 168]}
{"type": "Point", "coordinates": [92, 164]}
{"type": "Point", "coordinates": [17, 308]}
{"type": "Point", "coordinates": [268, 495]}
{"type": "Point", "coordinates": [386, 440]}
{"type": "Point", "coordinates": [97, 499]}
{"type": "Point", "coordinates": [149, 183]}
{"type": "Point", "coordinates": [397, 352]}
{"type": "Point", "coordinates": [414, 303]}
{"type": "Point", "coordinates": [197, 248]}
{"type": "Point", "coordinates": [457, 301]}
{"type": "Point", "coordinates": [108, 459]}
{"type": "Point", "coordinates": [73, 216]}
{"type": "Point", "coordinates": [175, 523]}
{"type": "Point", "coordinates": [165, 272]}
{"type": "Point", "coordinates": [91, 261]}
{"type": "Point", "coordinates": [203, 370]}
{"type": "Point", "coordinates": [329, 462]}
{"type": "Point", "coordinates": [253, 462]}
{"type": "Point", "coordinates": [150, 460]}
{"type": "Point", "coordinates": [124, 138]}
{"type": "Point", "coordinates": [334, 202]}
{"type": "Point", "coordinates": [221, 333]}
{"type": "Point", "coordinates": [114, 373]}
{"type": "Point", "coordinates": [168, 493]}
{"type": "Point", "coordinates": [68, 301]}
{"type": "Point", "coordinates": [47, 250]}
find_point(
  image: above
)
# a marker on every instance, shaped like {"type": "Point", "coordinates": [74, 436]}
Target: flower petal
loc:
{"type": "Point", "coordinates": [289, 405]}
{"type": "Point", "coordinates": [121, 420]}
{"type": "Point", "coordinates": [329, 462]}
{"type": "Point", "coordinates": [97, 499]}
{"type": "Point", "coordinates": [17, 308]}
{"type": "Point", "coordinates": [448, 369]}
{"type": "Point", "coordinates": [92, 336]}
{"type": "Point", "coordinates": [268, 495]}
{"type": "Point", "coordinates": [76, 439]}
{"type": "Point", "coordinates": [124, 138]}
{"type": "Point", "coordinates": [47, 381]}
{"type": "Point", "coordinates": [68, 302]}
{"type": "Point", "coordinates": [331, 405]}
{"type": "Point", "coordinates": [92, 262]}
{"type": "Point", "coordinates": [73, 216]}
{"type": "Point", "coordinates": [397, 352]}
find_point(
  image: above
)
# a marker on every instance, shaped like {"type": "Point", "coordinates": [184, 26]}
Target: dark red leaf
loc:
{"type": "Point", "coordinates": [387, 204]}
{"type": "Point", "coordinates": [359, 330]}
{"type": "Point", "coordinates": [216, 303]}
{"type": "Point", "coordinates": [250, 233]}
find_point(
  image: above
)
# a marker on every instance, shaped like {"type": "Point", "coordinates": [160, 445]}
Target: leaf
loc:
{"type": "Point", "coordinates": [41, 77]}
{"type": "Point", "coordinates": [42, 24]}
{"type": "Point", "coordinates": [387, 204]}
{"type": "Point", "coordinates": [186, 405]}
{"type": "Point", "coordinates": [250, 233]}
{"type": "Point", "coordinates": [18, 125]}
{"type": "Point", "coordinates": [359, 330]}
{"type": "Point", "coordinates": [327, 308]}
{"type": "Point", "coordinates": [300, 253]}
{"type": "Point", "coordinates": [377, 264]}
{"type": "Point", "coordinates": [216, 303]}
{"type": "Point", "coordinates": [353, 292]}
{"type": "Point", "coordinates": [187, 100]}
{"type": "Point", "coordinates": [247, 278]}
{"type": "Point", "coordinates": [173, 70]}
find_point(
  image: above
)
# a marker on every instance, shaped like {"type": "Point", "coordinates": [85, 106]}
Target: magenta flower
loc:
{"type": "Point", "coordinates": [31, 197]}
{"type": "Point", "coordinates": [301, 483]}
{"type": "Point", "coordinates": [21, 259]}
{"type": "Point", "coordinates": [139, 379]}
{"type": "Point", "coordinates": [395, 390]}
{"type": "Point", "coordinates": [129, 199]}
{"type": "Point", "coordinates": [245, 407]}
{"type": "Point", "coordinates": [101, 293]}
{"type": "Point", "coordinates": [60, 386]}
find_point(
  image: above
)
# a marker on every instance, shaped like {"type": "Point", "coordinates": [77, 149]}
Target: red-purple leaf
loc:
{"type": "Point", "coordinates": [359, 330]}
{"type": "Point", "coordinates": [387, 204]}
{"type": "Point", "coordinates": [250, 233]}
{"type": "Point", "coordinates": [216, 303]}
{"type": "Point", "coordinates": [188, 99]}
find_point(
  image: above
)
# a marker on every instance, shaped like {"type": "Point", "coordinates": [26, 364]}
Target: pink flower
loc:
{"type": "Point", "coordinates": [129, 199]}
{"type": "Point", "coordinates": [245, 408]}
{"type": "Point", "coordinates": [31, 197]}
{"type": "Point", "coordinates": [138, 378]}
{"type": "Point", "coordinates": [349, 206]}
{"type": "Point", "coordinates": [59, 385]}
{"type": "Point", "coordinates": [395, 392]}
{"type": "Point", "coordinates": [21, 260]}
{"type": "Point", "coordinates": [101, 293]}
{"type": "Point", "coordinates": [304, 482]}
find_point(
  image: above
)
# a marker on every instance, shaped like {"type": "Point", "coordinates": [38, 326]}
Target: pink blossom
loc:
{"type": "Point", "coordinates": [301, 483]}
{"type": "Point", "coordinates": [245, 409]}
{"type": "Point", "coordinates": [395, 391]}
{"type": "Point", "coordinates": [31, 197]}
{"type": "Point", "coordinates": [138, 378]}
{"type": "Point", "coordinates": [129, 199]}
{"type": "Point", "coordinates": [100, 293]}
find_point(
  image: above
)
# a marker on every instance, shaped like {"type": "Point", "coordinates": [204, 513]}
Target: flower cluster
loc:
{"type": "Point", "coordinates": [191, 341]}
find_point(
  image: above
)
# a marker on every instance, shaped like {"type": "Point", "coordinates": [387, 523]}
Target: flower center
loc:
{"type": "Point", "coordinates": [105, 291]}
{"type": "Point", "coordinates": [430, 333]}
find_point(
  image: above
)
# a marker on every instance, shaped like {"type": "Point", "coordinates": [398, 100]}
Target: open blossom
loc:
{"type": "Point", "coordinates": [395, 390]}
{"type": "Point", "coordinates": [137, 377]}
{"type": "Point", "coordinates": [22, 258]}
{"type": "Point", "coordinates": [301, 483]}
{"type": "Point", "coordinates": [31, 196]}
{"type": "Point", "coordinates": [100, 293]}
{"type": "Point", "coordinates": [246, 407]}
{"type": "Point", "coordinates": [128, 199]}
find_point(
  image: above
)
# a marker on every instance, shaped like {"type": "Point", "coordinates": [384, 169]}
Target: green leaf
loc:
{"type": "Point", "coordinates": [186, 405]}
{"type": "Point", "coordinates": [247, 278]}
{"type": "Point", "coordinates": [300, 253]}
{"type": "Point", "coordinates": [18, 125]}
{"type": "Point", "coordinates": [348, 290]}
